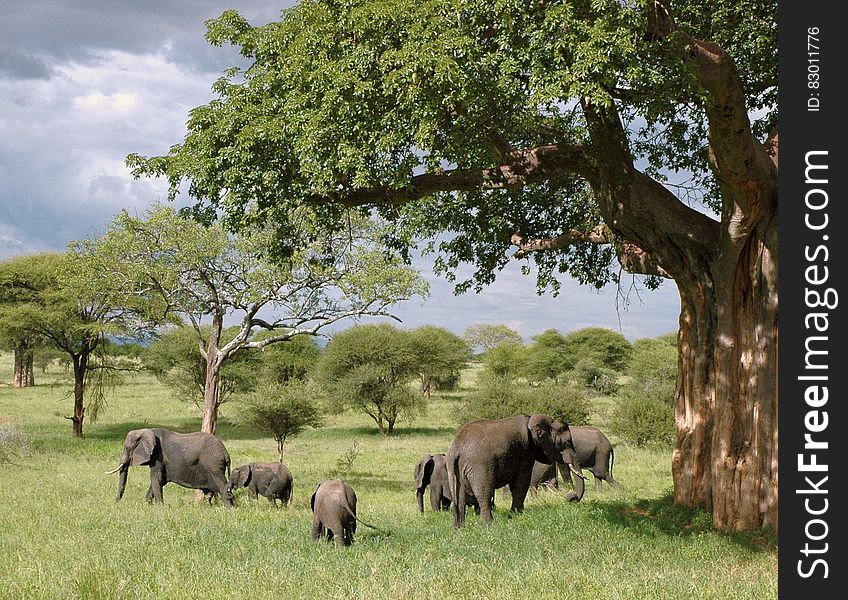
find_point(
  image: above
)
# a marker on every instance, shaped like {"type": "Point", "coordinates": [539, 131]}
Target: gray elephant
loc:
{"type": "Point", "coordinates": [334, 512]}
{"type": "Point", "coordinates": [193, 460]}
{"type": "Point", "coordinates": [486, 455]}
{"type": "Point", "coordinates": [272, 480]}
{"type": "Point", "coordinates": [595, 453]}
{"type": "Point", "coordinates": [432, 471]}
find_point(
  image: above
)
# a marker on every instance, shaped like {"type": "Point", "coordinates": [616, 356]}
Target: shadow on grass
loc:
{"type": "Point", "coordinates": [663, 516]}
{"type": "Point", "coordinates": [225, 431]}
{"type": "Point", "coordinates": [400, 432]}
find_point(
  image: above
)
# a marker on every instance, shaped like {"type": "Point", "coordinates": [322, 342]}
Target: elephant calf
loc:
{"type": "Point", "coordinates": [272, 480]}
{"type": "Point", "coordinates": [432, 471]}
{"type": "Point", "coordinates": [334, 512]}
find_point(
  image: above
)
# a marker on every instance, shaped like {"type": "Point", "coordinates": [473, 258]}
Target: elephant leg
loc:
{"type": "Point", "coordinates": [519, 488]}
{"type": "Point", "coordinates": [317, 529]}
{"type": "Point", "coordinates": [484, 503]}
{"type": "Point", "coordinates": [435, 498]}
{"type": "Point", "coordinates": [459, 507]}
{"type": "Point", "coordinates": [349, 530]}
{"type": "Point", "coordinates": [597, 482]}
{"type": "Point", "coordinates": [157, 482]}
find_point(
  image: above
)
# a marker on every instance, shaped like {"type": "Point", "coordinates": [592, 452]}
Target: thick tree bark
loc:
{"type": "Point", "coordinates": [23, 374]}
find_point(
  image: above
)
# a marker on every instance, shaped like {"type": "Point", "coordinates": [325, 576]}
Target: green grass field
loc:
{"type": "Point", "coordinates": [62, 535]}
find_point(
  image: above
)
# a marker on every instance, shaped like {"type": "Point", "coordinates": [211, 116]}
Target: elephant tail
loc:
{"type": "Point", "coordinates": [612, 460]}
{"type": "Point", "coordinates": [352, 514]}
{"type": "Point", "coordinates": [453, 482]}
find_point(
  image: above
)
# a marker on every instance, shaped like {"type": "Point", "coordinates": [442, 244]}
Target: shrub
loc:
{"type": "Point", "coordinates": [282, 410]}
{"type": "Point", "coordinates": [498, 398]}
{"type": "Point", "coordinates": [13, 443]}
{"type": "Point", "coordinates": [590, 373]}
{"type": "Point", "coordinates": [505, 361]}
{"type": "Point", "coordinates": [606, 346]}
{"type": "Point", "coordinates": [643, 420]}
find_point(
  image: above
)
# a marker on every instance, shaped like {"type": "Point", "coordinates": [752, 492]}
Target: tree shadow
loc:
{"type": "Point", "coordinates": [661, 516]}
{"type": "Point", "coordinates": [225, 431]}
{"type": "Point", "coordinates": [400, 432]}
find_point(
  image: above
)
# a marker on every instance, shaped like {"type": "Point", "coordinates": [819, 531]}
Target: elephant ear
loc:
{"type": "Point", "coordinates": [540, 429]}
{"type": "Point", "coordinates": [143, 450]}
{"type": "Point", "coordinates": [245, 474]}
{"type": "Point", "coordinates": [424, 472]}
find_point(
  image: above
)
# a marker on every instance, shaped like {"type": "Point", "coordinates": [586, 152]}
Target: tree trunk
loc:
{"type": "Point", "coordinates": [213, 377]}
{"type": "Point", "coordinates": [726, 405]}
{"type": "Point", "coordinates": [23, 375]}
{"type": "Point", "coordinates": [80, 363]}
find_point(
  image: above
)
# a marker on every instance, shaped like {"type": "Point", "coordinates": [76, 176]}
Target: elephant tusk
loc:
{"type": "Point", "coordinates": [575, 471]}
{"type": "Point", "coordinates": [121, 466]}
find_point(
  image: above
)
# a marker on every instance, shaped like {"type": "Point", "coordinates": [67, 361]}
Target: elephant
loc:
{"type": "Point", "coordinates": [432, 471]}
{"type": "Point", "coordinates": [272, 480]}
{"type": "Point", "coordinates": [594, 452]}
{"type": "Point", "coordinates": [486, 455]}
{"type": "Point", "coordinates": [334, 512]}
{"type": "Point", "coordinates": [194, 460]}
{"type": "Point", "coordinates": [542, 475]}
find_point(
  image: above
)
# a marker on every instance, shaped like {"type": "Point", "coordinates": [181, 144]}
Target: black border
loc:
{"type": "Point", "coordinates": [802, 130]}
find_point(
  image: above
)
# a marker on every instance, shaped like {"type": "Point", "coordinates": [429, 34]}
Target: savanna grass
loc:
{"type": "Point", "coordinates": [62, 535]}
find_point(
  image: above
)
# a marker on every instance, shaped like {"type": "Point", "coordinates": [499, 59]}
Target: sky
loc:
{"type": "Point", "coordinates": [84, 83]}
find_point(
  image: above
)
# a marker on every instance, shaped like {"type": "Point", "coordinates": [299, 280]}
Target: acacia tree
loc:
{"type": "Point", "coordinates": [19, 283]}
{"type": "Point", "coordinates": [62, 309]}
{"type": "Point", "coordinates": [487, 337]}
{"type": "Point", "coordinates": [552, 126]}
{"type": "Point", "coordinates": [202, 274]}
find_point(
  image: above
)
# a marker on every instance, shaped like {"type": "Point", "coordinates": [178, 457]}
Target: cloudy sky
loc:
{"type": "Point", "coordinates": [83, 83]}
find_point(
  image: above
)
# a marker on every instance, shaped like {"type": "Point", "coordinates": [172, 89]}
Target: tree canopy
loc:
{"type": "Point", "coordinates": [590, 138]}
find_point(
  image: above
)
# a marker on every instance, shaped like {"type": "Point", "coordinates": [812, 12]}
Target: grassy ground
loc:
{"type": "Point", "coordinates": [62, 535]}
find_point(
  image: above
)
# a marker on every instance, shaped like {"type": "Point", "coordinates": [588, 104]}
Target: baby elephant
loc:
{"type": "Point", "coordinates": [432, 471]}
{"type": "Point", "coordinates": [272, 480]}
{"type": "Point", "coordinates": [334, 512]}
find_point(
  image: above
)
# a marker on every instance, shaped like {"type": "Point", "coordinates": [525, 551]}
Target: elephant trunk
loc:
{"type": "Point", "coordinates": [420, 496]}
{"type": "Point", "coordinates": [579, 489]}
{"type": "Point", "coordinates": [122, 479]}
{"type": "Point", "coordinates": [569, 457]}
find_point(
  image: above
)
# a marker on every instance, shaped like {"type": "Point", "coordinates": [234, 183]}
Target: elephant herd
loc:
{"type": "Point", "coordinates": [516, 452]}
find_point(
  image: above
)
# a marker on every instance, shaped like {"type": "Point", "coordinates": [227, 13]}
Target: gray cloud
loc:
{"type": "Point", "coordinates": [17, 65]}
{"type": "Point", "coordinates": [83, 83]}
{"type": "Point", "coordinates": [78, 30]}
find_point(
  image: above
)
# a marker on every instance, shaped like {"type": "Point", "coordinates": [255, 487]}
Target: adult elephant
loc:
{"type": "Point", "coordinates": [486, 455]}
{"type": "Point", "coordinates": [595, 453]}
{"type": "Point", "coordinates": [194, 460]}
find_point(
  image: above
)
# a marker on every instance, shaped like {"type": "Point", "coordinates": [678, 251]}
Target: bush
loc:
{"type": "Point", "coordinates": [498, 398]}
{"type": "Point", "coordinates": [282, 410]}
{"type": "Point", "coordinates": [643, 420]}
{"type": "Point", "coordinates": [606, 346]}
{"type": "Point", "coordinates": [590, 373]}
{"type": "Point", "coordinates": [12, 443]}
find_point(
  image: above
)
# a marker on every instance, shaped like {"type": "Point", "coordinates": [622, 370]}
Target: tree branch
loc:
{"type": "Point", "coordinates": [737, 157]}
{"type": "Point", "coordinates": [521, 167]}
